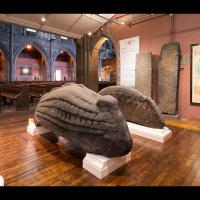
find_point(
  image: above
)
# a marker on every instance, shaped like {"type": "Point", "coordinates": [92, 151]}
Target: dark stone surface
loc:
{"type": "Point", "coordinates": [143, 74]}
{"type": "Point", "coordinates": [85, 118]}
{"type": "Point", "coordinates": [135, 106]}
{"type": "Point", "coordinates": [168, 78]}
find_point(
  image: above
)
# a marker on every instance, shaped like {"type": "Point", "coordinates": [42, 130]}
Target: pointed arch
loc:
{"type": "Point", "coordinates": [66, 73]}
{"type": "Point", "coordinates": [96, 41]}
{"type": "Point", "coordinates": [67, 50]}
{"type": "Point", "coordinates": [40, 49]}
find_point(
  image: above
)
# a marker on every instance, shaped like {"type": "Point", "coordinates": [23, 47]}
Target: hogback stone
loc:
{"type": "Point", "coordinates": [85, 118]}
{"type": "Point", "coordinates": [135, 106]}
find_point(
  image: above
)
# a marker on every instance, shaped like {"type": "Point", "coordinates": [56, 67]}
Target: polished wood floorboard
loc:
{"type": "Point", "coordinates": [190, 124]}
{"type": "Point", "coordinates": [35, 161]}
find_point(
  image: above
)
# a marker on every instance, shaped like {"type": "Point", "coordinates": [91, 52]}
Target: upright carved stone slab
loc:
{"type": "Point", "coordinates": [168, 78]}
{"type": "Point", "coordinates": [143, 75]}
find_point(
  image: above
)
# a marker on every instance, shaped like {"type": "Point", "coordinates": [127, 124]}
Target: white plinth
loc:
{"type": "Point", "coordinates": [101, 166]}
{"type": "Point", "coordinates": [1, 181]}
{"type": "Point", "coordinates": [36, 130]}
{"type": "Point", "coordinates": [159, 135]}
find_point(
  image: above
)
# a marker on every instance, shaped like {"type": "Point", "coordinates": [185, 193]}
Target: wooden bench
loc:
{"type": "Point", "coordinates": [17, 93]}
{"type": "Point", "coordinates": [36, 91]}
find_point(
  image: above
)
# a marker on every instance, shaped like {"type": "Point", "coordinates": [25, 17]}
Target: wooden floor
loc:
{"type": "Point", "coordinates": [184, 123]}
{"type": "Point", "coordinates": [27, 160]}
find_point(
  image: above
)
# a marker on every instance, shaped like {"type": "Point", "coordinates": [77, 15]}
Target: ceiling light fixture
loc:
{"type": "Point", "coordinates": [89, 33]}
{"type": "Point", "coordinates": [64, 38]}
{"type": "Point", "coordinates": [30, 30]}
{"type": "Point", "coordinates": [43, 19]}
{"type": "Point", "coordinates": [28, 46]}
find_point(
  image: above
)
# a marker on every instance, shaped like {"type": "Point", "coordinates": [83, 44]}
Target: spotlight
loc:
{"type": "Point", "coordinates": [171, 14]}
{"type": "Point", "coordinates": [28, 46]}
{"type": "Point", "coordinates": [89, 33]}
{"type": "Point", "coordinates": [43, 19]}
{"type": "Point", "coordinates": [122, 23]}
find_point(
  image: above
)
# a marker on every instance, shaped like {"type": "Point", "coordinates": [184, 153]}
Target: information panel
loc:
{"type": "Point", "coordinates": [128, 50]}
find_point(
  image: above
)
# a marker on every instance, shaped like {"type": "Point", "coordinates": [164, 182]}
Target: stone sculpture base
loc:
{"type": "Point", "coordinates": [36, 130]}
{"type": "Point", "coordinates": [1, 181]}
{"type": "Point", "coordinates": [101, 166]}
{"type": "Point", "coordinates": [159, 135]}
{"type": "Point", "coordinates": [171, 116]}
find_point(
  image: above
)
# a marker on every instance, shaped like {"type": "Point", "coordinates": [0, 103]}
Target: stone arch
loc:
{"type": "Point", "coordinates": [40, 49]}
{"type": "Point", "coordinates": [57, 52]}
{"type": "Point", "coordinates": [6, 63]}
{"type": "Point", "coordinates": [72, 56]}
{"type": "Point", "coordinates": [96, 42]}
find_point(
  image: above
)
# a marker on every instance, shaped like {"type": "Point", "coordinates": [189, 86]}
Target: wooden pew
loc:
{"type": "Point", "coordinates": [37, 90]}
{"type": "Point", "coordinates": [17, 93]}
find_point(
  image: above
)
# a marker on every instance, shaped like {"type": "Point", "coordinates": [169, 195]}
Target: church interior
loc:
{"type": "Point", "coordinates": [99, 99]}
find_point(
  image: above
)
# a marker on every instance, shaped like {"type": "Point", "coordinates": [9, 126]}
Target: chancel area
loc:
{"type": "Point", "coordinates": [99, 99]}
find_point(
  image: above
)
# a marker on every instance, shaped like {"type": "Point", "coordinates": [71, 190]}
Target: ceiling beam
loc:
{"type": "Point", "coordinates": [146, 18]}
{"type": "Point", "coordinates": [74, 23]}
{"type": "Point", "coordinates": [108, 20]}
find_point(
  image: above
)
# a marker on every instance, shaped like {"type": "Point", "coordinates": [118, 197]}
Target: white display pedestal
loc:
{"type": "Point", "coordinates": [159, 135]}
{"type": "Point", "coordinates": [1, 181]}
{"type": "Point", "coordinates": [101, 166]}
{"type": "Point", "coordinates": [36, 130]}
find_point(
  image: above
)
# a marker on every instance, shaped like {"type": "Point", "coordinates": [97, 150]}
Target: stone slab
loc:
{"type": "Point", "coordinates": [143, 74]}
{"type": "Point", "coordinates": [168, 78]}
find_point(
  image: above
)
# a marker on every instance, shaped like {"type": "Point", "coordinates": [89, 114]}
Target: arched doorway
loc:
{"type": "Point", "coordinates": [30, 65]}
{"type": "Point", "coordinates": [64, 67]}
{"type": "Point", "coordinates": [103, 72]}
{"type": "Point", "coordinates": [3, 67]}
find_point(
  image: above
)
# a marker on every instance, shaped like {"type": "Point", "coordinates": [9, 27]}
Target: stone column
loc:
{"type": "Point", "coordinates": [11, 69]}
{"type": "Point", "coordinates": [50, 62]}
{"type": "Point", "coordinates": [82, 61]}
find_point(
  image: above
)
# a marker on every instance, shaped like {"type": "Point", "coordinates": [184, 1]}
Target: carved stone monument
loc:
{"type": "Point", "coordinates": [85, 118]}
{"type": "Point", "coordinates": [168, 78]}
{"type": "Point", "coordinates": [135, 106]}
{"type": "Point", "coordinates": [143, 74]}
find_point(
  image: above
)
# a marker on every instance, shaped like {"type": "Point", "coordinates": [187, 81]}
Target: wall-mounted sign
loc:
{"type": "Point", "coordinates": [128, 50]}
{"type": "Point", "coordinates": [195, 74]}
